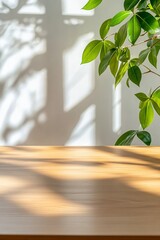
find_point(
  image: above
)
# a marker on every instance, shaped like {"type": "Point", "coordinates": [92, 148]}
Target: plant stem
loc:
{"type": "Point", "coordinates": [155, 43]}
{"type": "Point", "coordinates": [146, 72]}
{"type": "Point", "coordinates": [112, 34]}
{"type": "Point", "coordinates": [143, 34]}
{"type": "Point", "coordinates": [150, 71]}
{"type": "Point", "coordinates": [136, 44]}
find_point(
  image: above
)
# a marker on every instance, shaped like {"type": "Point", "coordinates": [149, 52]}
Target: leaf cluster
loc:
{"type": "Point", "coordinates": [138, 19]}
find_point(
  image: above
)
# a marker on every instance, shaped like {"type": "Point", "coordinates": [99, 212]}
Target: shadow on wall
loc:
{"type": "Point", "coordinates": [46, 97]}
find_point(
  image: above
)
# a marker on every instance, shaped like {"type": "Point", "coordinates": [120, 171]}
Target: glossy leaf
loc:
{"type": "Point", "coordinates": [106, 61]}
{"type": "Point", "coordinates": [114, 64]}
{"type": "Point", "coordinates": [156, 5]}
{"type": "Point", "coordinates": [142, 4]}
{"type": "Point", "coordinates": [156, 107]}
{"type": "Point", "coordinates": [146, 114]}
{"type": "Point", "coordinates": [107, 45]}
{"type": "Point", "coordinates": [156, 101]}
{"type": "Point", "coordinates": [133, 30]}
{"type": "Point", "coordinates": [129, 4]}
{"type": "Point", "coordinates": [91, 51]}
{"type": "Point", "coordinates": [145, 137]}
{"type": "Point", "coordinates": [143, 55]}
{"type": "Point", "coordinates": [135, 75]}
{"type": "Point", "coordinates": [104, 28]}
{"type": "Point", "coordinates": [142, 104]}
{"type": "Point", "coordinates": [121, 72]}
{"type": "Point", "coordinates": [126, 138]}
{"type": "Point", "coordinates": [103, 52]}
{"type": "Point", "coordinates": [141, 96]}
{"type": "Point", "coordinates": [155, 42]}
{"type": "Point", "coordinates": [121, 36]}
{"type": "Point", "coordinates": [153, 57]}
{"type": "Point", "coordinates": [148, 22]}
{"type": "Point", "coordinates": [91, 4]}
{"type": "Point", "coordinates": [119, 17]}
{"type": "Point", "coordinates": [156, 96]}
{"type": "Point", "coordinates": [134, 62]}
{"type": "Point", "coordinates": [124, 55]}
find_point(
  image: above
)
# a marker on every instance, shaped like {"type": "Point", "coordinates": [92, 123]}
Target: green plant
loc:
{"type": "Point", "coordinates": [138, 19]}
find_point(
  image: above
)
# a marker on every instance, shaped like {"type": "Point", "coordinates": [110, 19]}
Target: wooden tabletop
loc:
{"type": "Point", "coordinates": [80, 191]}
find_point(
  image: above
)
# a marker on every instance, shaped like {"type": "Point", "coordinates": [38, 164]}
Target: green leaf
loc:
{"type": "Point", "coordinates": [135, 75]}
{"type": "Point", "coordinates": [146, 114]}
{"type": "Point", "coordinates": [121, 36]}
{"type": "Point", "coordinates": [153, 9]}
{"type": "Point", "coordinates": [91, 4]}
{"type": "Point", "coordinates": [121, 72]}
{"type": "Point", "coordinates": [142, 104]}
{"type": "Point", "coordinates": [114, 64]}
{"type": "Point", "coordinates": [145, 137]}
{"type": "Point", "coordinates": [126, 138]}
{"type": "Point", "coordinates": [134, 62]}
{"type": "Point", "coordinates": [141, 96]}
{"type": "Point", "coordinates": [153, 57]}
{"type": "Point", "coordinates": [106, 61]}
{"type": "Point", "coordinates": [127, 82]}
{"type": "Point", "coordinates": [129, 4]}
{"type": "Point", "coordinates": [155, 42]}
{"type": "Point", "coordinates": [156, 107]}
{"type": "Point", "coordinates": [103, 52]}
{"type": "Point", "coordinates": [143, 55]}
{"type": "Point", "coordinates": [156, 6]}
{"type": "Point", "coordinates": [156, 97]}
{"type": "Point", "coordinates": [154, 2]}
{"type": "Point", "coordinates": [148, 22]}
{"type": "Point", "coordinates": [107, 45]}
{"type": "Point", "coordinates": [124, 55]}
{"type": "Point", "coordinates": [119, 17]}
{"type": "Point", "coordinates": [142, 4]}
{"type": "Point", "coordinates": [104, 28]}
{"type": "Point", "coordinates": [91, 51]}
{"type": "Point", "coordinates": [134, 29]}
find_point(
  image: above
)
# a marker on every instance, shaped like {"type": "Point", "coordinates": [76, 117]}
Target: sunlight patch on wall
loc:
{"type": "Point", "coordinates": [116, 109]}
{"type": "Point", "coordinates": [30, 98]}
{"type": "Point", "coordinates": [33, 7]}
{"type": "Point", "coordinates": [73, 21]}
{"type": "Point", "coordinates": [22, 7]}
{"type": "Point", "coordinates": [23, 74]}
{"type": "Point", "coordinates": [84, 132]}
{"type": "Point", "coordinates": [74, 7]}
{"type": "Point", "coordinates": [78, 79]}
{"type": "Point", "coordinates": [20, 109]}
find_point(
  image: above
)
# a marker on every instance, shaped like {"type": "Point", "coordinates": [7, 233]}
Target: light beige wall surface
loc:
{"type": "Point", "coordinates": [46, 96]}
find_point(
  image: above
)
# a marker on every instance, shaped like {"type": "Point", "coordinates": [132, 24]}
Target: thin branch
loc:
{"type": "Point", "coordinates": [143, 34]}
{"type": "Point", "coordinates": [155, 43]}
{"type": "Point", "coordinates": [136, 44]}
{"type": "Point", "coordinates": [112, 34]}
{"type": "Point", "coordinates": [147, 72]}
{"type": "Point", "coordinates": [150, 71]}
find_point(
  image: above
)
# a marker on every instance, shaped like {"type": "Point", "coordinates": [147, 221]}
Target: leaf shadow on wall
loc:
{"type": "Point", "coordinates": [32, 81]}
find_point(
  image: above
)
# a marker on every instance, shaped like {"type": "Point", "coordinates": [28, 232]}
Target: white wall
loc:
{"type": "Point", "coordinates": [46, 96]}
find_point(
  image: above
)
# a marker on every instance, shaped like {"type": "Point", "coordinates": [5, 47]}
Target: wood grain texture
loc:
{"type": "Point", "coordinates": [80, 191]}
